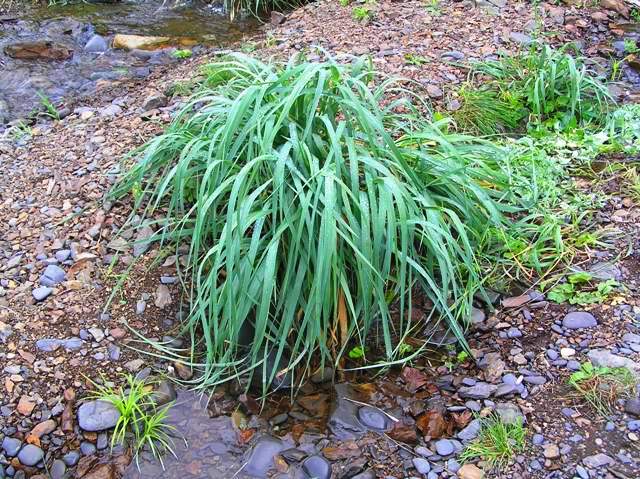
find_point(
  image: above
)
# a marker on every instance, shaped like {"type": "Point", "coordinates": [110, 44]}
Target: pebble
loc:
{"type": "Point", "coordinates": [30, 455]}
{"type": "Point", "coordinates": [597, 460]}
{"type": "Point", "coordinates": [579, 320]}
{"type": "Point", "coordinates": [52, 275]}
{"type": "Point", "coordinates": [444, 447]}
{"type": "Point", "coordinates": [551, 451]}
{"type": "Point", "coordinates": [71, 458]}
{"type": "Point", "coordinates": [538, 439]}
{"type": "Point", "coordinates": [87, 448]}
{"type": "Point", "coordinates": [632, 406]}
{"type": "Point", "coordinates": [372, 418]}
{"type": "Point", "coordinates": [58, 469]}
{"type": "Point", "coordinates": [42, 293]}
{"type": "Point", "coordinates": [471, 431]}
{"type": "Point", "coordinates": [11, 446]}
{"type": "Point", "coordinates": [97, 416]}
{"type": "Point", "coordinates": [421, 465]}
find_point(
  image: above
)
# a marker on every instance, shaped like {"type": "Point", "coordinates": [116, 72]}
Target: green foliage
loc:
{"type": "Point", "coordinates": [182, 54]}
{"type": "Point", "coordinates": [361, 14]}
{"type": "Point", "coordinates": [294, 187]}
{"type": "Point", "coordinates": [581, 289]}
{"type": "Point", "coordinates": [412, 59]}
{"type": "Point", "coordinates": [49, 108]}
{"type": "Point", "coordinates": [556, 88]}
{"type": "Point", "coordinates": [487, 111]}
{"type": "Point", "coordinates": [630, 46]}
{"type": "Point", "coordinates": [497, 443]}
{"type": "Point", "coordinates": [602, 386]}
{"type": "Point", "coordinates": [635, 14]}
{"type": "Point", "coordinates": [433, 8]}
{"type": "Point", "coordinates": [140, 419]}
{"type": "Point", "coordinates": [344, 3]}
{"type": "Point", "coordinates": [357, 352]}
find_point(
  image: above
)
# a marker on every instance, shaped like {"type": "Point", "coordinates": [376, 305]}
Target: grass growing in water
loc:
{"type": "Point", "coordinates": [307, 218]}
{"type": "Point", "coordinates": [140, 419]}
{"type": "Point", "coordinates": [497, 443]}
{"type": "Point", "coordinates": [601, 386]}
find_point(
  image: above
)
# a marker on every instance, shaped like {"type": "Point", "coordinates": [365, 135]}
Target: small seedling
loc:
{"type": "Point", "coordinates": [357, 353]}
{"type": "Point", "coordinates": [182, 54]}
{"type": "Point", "coordinates": [344, 3]}
{"type": "Point", "coordinates": [405, 349]}
{"type": "Point", "coordinates": [49, 108]}
{"type": "Point", "coordinates": [433, 8]}
{"type": "Point", "coordinates": [601, 386]}
{"type": "Point", "coordinates": [361, 14]}
{"type": "Point", "coordinates": [616, 70]}
{"type": "Point", "coordinates": [270, 41]}
{"type": "Point", "coordinates": [497, 443]}
{"type": "Point", "coordinates": [453, 363]}
{"type": "Point", "coordinates": [417, 60]}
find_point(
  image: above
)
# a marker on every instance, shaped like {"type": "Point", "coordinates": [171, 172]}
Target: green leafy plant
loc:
{"type": "Point", "coordinates": [412, 59]}
{"type": "Point", "coordinates": [344, 3]}
{"type": "Point", "coordinates": [361, 14]}
{"type": "Point", "coordinates": [49, 108]}
{"type": "Point", "coordinates": [601, 386]}
{"type": "Point", "coordinates": [458, 359]}
{"type": "Point", "coordinates": [556, 88]}
{"type": "Point", "coordinates": [357, 352]}
{"type": "Point", "coordinates": [306, 205]}
{"type": "Point", "coordinates": [616, 70]}
{"type": "Point", "coordinates": [182, 54]}
{"type": "Point", "coordinates": [579, 289]}
{"type": "Point", "coordinates": [433, 8]}
{"type": "Point", "coordinates": [497, 443]}
{"type": "Point", "coordinates": [635, 14]}
{"type": "Point", "coordinates": [630, 46]}
{"type": "Point", "coordinates": [140, 419]}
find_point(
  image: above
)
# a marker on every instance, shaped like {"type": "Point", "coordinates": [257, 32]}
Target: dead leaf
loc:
{"type": "Point", "coordinates": [414, 378]}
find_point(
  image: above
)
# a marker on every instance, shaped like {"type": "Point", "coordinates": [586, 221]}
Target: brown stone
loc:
{"type": "Point", "coordinates": [45, 427]}
{"type": "Point", "coordinates": [184, 371]}
{"type": "Point", "coordinates": [25, 406]}
{"type": "Point", "coordinates": [470, 471]}
{"type": "Point", "coordinates": [101, 471]}
{"type": "Point", "coordinates": [617, 6]}
{"type": "Point", "coordinates": [39, 50]}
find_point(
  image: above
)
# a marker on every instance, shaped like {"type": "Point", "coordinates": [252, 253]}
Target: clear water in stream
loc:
{"type": "Point", "coordinates": [73, 25]}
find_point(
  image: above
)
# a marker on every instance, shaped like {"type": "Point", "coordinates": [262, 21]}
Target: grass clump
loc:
{"type": "Point", "coordinates": [258, 8]}
{"type": "Point", "coordinates": [142, 424]}
{"type": "Point", "coordinates": [497, 443]}
{"type": "Point", "coordinates": [602, 386]}
{"type": "Point", "coordinates": [312, 212]}
{"type": "Point", "coordinates": [555, 89]}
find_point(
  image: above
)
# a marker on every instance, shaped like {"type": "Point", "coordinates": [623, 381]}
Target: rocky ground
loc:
{"type": "Point", "coordinates": [63, 322]}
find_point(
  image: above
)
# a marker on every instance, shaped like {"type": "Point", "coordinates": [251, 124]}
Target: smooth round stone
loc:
{"type": "Point", "coordinates": [71, 458]}
{"type": "Point", "coordinates": [97, 416]}
{"type": "Point", "coordinates": [58, 469]}
{"type": "Point", "coordinates": [538, 439]}
{"type": "Point", "coordinates": [552, 354]}
{"type": "Point", "coordinates": [317, 467]}
{"type": "Point", "coordinates": [444, 447]}
{"type": "Point", "coordinates": [372, 418]}
{"type": "Point", "coordinates": [87, 448]}
{"type": "Point", "coordinates": [579, 320]}
{"type": "Point", "coordinates": [11, 446]}
{"type": "Point", "coordinates": [421, 465]}
{"type": "Point", "coordinates": [30, 455]}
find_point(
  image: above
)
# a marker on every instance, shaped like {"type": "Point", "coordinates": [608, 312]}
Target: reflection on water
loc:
{"type": "Point", "coordinates": [212, 450]}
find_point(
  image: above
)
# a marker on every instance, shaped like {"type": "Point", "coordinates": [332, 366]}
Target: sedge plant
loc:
{"type": "Point", "coordinates": [312, 210]}
{"type": "Point", "coordinates": [497, 443]}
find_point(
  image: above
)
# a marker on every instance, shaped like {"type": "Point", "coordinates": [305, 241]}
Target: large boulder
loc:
{"type": "Point", "coordinates": [139, 42]}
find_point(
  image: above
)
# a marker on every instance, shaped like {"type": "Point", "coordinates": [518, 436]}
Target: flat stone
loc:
{"type": "Point", "coordinates": [421, 465]}
{"type": "Point", "coordinates": [470, 471]}
{"type": "Point", "coordinates": [97, 333]}
{"type": "Point", "coordinates": [41, 293]}
{"type": "Point", "coordinates": [551, 451]}
{"type": "Point", "coordinates": [11, 446]}
{"type": "Point", "coordinates": [480, 390]}
{"type": "Point", "coordinates": [52, 275]}
{"type": "Point", "coordinates": [444, 447]}
{"type": "Point", "coordinates": [30, 455]}
{"type": "Point", "coordinates": [372, 418]}
{"type": "Point", "coordinates": [95, 416]}
{"type": "Point", "coordinates": [261, 456]}
{"type": "Point", "coordinates": [58, 469]}
{"type": "Point", "coordinates": [632, 406]}
{"type": "Point", "coordinates": [579, 320]}
{"type": "Point", "coordinates": [597, 460]}
{"type": "Point", "coordinates": [317, 467]}
{"type": "Point", "coordinates": [48, 345]}
{"type": "Point", "coordinates": [71, 458]}
{"type": "Point", "coordinates": [520, 38]}
{"type": "Point", "coordinates": [605, 358]}
{"type": "Point", "coordinates": [470, 432]}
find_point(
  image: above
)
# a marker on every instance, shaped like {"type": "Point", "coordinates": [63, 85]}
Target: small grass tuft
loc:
{"type": "Point", "coordinates": [601, 386]}
{"type": "Point", "coordinates": [142, 424]}
{"type": "Point", "coordinates": [497, 443]}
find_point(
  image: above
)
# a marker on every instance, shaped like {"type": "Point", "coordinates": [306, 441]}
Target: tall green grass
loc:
{"type": "Point", "coordinates": [258, 8]}
{"type": "Point", "coordinates": [313, 211]}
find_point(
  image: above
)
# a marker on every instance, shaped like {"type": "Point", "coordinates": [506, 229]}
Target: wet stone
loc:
{"type": "Point", "coordinates": [97, 416]}
{"type": "Point", "coordinates": [372, 418]}
{"type": "Point", "coordinates": [471, 431]}
{"type": "Point", "coordinates": [87, 448]}
{"type": "Point", "coordinates": [30, 455]}
{"type": "Point", "coordinates": [317, 467]}
{"type": "Point", "coordinates": [71, 458]}
{"type": "Point", "coordinates": [597, 460]}
{"type": "Point", "coordinates": [261, 457]}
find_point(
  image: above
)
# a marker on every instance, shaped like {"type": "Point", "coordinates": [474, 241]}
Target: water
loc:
{"type": "Point", "coordinates": [23, 82]}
